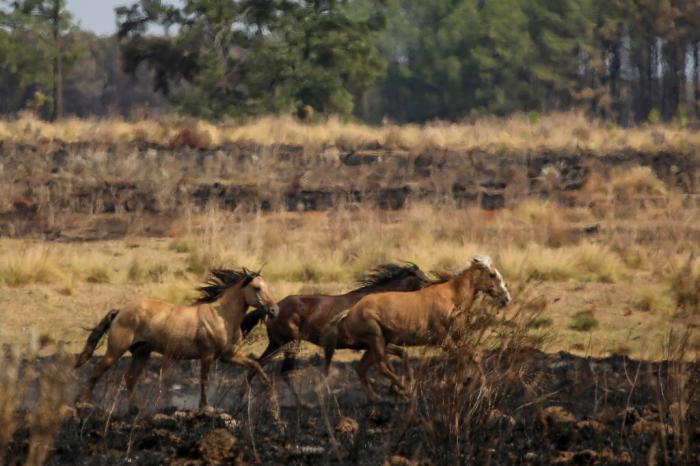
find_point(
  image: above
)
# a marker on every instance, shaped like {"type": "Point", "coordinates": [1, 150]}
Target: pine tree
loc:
{"type": "Point", "coordinates": [36, 50]}
{"type": "Point", "coordinates": [252, 57]}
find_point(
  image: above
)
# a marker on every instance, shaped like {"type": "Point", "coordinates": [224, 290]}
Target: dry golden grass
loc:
{"type": "Point", "coordinates": [628, 285]}
{"type": "Point", "coordinates": [556, 131]}
{"type": "Point", "coordinates": [46, 386]}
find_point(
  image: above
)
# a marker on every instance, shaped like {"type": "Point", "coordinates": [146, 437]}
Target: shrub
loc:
{"type": "Point", "coordinates": [540, 322]}
{"type": "Point", "coordinates": [583, 321]}
{"type": "Point", "coordinates": [653, 299]}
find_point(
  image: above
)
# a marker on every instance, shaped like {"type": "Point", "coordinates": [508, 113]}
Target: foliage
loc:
{"type": "Point", "coordinates": [31, 37]}
{"type": "Point", "coordinates": [627, 61]}
{"type": "Point", "coordinates": [248, 57]}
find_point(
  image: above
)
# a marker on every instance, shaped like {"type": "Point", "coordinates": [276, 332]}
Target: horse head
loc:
{"type": "Point", "coordinates": [488, 280]}
{"type": "Point", "coordinates": [257, 293]}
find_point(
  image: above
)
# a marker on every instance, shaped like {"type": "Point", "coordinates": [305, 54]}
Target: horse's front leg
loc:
{"type": "Point", "coordinates": [255, 368]}
{"type": "Point", "coordinates": [206, 363]}
{"type": "Point", "coordinates": [245, 361]}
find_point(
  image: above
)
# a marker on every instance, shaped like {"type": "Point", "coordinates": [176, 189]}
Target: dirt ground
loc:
{"type": "Point", "coordinates": [562, 409]}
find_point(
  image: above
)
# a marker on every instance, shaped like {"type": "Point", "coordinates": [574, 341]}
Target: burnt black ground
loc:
{"type": "Point", "coordinates": [558, 408]}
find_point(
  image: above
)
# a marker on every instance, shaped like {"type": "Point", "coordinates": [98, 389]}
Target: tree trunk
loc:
{"type": "Point", "coordinates": [650, 78]}
{"type": "Point", "coordinates": [615, 67]}
{"type": "Point", "coordinates": [696, 78]}
{"type": "Point", "coordinates": [57, 63]}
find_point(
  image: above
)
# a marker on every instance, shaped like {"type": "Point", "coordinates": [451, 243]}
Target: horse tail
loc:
{"type": "Point", "coordinates": [95, 336]}
{"type": "Point", "coordinates": [329, 338]}
{"type": "Point", "coordinates": [251, 320]}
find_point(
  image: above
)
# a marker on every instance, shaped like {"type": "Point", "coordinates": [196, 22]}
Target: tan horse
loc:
{"type": "Point", "coordinates": [207, 330]}
{"type": "Point", "coordinates": [385, 320]}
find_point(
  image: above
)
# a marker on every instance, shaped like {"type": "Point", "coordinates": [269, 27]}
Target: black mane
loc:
{"type": "Point", "coordinates": [220, 280]}
{"type": "Point", "coordinates": [386, 273]}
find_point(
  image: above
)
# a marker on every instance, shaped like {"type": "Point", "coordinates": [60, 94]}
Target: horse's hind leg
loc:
{"type": "Point", "coordinates": [139, 359]}
{"type": "Point", "coordinates": [118, 342]}
{"type": "Point", "coordinates": [288, 366]}
{"type": "Point", "coordinates": [377, 346]}
{"type": "Point", "coordinates": [403, 354]}
{"type": "Point", "coordinates": [362, 367]}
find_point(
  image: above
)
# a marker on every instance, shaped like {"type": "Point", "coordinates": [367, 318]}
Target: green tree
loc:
{"type": "Point", "coordinates": [250, 57]}
{"type": "Point", "coordinates": [37, 45]}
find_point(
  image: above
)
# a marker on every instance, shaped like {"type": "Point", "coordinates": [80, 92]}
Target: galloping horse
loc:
{"type": "Point", "coordinates": [207, 330]}
{"type": "Point", "coordinates": [380, 321]}
{"type": "Point", "coordinates": [303, 317]}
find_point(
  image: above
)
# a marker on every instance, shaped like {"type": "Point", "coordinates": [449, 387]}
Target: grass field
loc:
{"type": "Point", "coordinates": [613, 291]}
{"type": "Point", "coordinates": [606, 268]}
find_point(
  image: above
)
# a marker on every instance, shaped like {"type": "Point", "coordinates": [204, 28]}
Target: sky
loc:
{"type": "Point", "coordinates": [96, 15]}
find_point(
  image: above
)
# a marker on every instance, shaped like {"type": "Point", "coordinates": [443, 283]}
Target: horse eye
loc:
{"type": "Point", "coordinates": [256, 288]}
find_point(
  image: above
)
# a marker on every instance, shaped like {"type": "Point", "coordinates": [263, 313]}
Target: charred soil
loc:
{"type": "Point", "coordinates": [555, 409]}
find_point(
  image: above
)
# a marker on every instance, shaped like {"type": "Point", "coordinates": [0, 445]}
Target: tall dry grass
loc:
{"type": "Point", "coordinates": [621, 270]}
{"type": "Point", "coordinates": [534, 240]}
{"type": "Point", "coordinates": [462, 402]}
{"type": "Point", "coordinates": [34, 400]}
{"type": "Point", "coordinates": [556, 131]}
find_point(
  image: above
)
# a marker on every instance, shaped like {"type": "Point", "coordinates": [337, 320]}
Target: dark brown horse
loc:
{"type": "Point", "coordinates": [303, 317]}
{"type": "Point", "coordinates": [207, 330]}
{"type": "Point", "coordinates": [382, 322]}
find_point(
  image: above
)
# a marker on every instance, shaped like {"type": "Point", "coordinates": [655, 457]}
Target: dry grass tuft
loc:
{"type": "Point", "coordinates": [556, 131]}
{"type": "Point", "coordinates": [47, 384]}
{"type": "Point", "coordinates": [29, 264]}
{"type": "Point", "coordinates": [584, 262]}
{"type": "Point", "coordinates": [654, 299]}
{"type": "Point", "coordinates": [462, 413]}
{"type": "Point", "coordinates": [637, 181]}
{"type": "Point", "coordinates": [685, 286]}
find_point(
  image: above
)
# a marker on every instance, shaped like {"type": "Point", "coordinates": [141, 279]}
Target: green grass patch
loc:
{"type": "Point", "coordinates": [540, 322]}
{"type": "Point", "coordinates": [583, 321]}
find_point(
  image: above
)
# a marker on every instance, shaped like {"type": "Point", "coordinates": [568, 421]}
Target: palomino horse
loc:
{"type": "Point", "coordinates": [380, 321]}
{"type": "Point", "coordinates": [207, 330]}
{"type": "Point", "coordinates": [303, 317]}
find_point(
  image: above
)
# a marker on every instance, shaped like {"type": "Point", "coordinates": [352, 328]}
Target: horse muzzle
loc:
{"type": "Point", "coordinates": [272, 311]}
{"type": "Point", "coordinates": [502, 300]}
